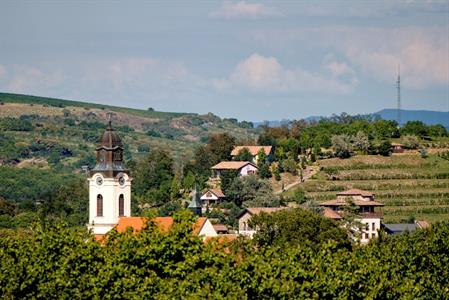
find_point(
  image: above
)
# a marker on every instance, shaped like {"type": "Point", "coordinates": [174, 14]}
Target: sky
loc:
{"type": "Point", "coordinates": [264, 60]}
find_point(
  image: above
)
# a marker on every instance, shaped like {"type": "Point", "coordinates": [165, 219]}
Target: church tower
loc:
{"type": "Point", "coordinates": [109, 185]}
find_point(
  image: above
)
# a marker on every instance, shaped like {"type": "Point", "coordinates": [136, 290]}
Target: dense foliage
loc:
{"type": "Point", "coordinates": [56, 261]}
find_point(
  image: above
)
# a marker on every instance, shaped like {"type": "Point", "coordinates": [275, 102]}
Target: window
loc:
{"type": "Point", "coordinates": [366, 236]}
{"type": "Point", "coordinates": [367, 226]}
{"type": "Point", "coordinates": [99, 205]}
{"type": "Point", "coordinates": [121, 206]}
{"type": "Point", "coordinates": [373, 235]}
{"type": "Point", "coordinates": [373, 227]}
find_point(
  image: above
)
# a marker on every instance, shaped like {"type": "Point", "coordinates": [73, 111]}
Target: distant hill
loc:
{"type": "Point", "coordinates": [426, 116]}
{"type": "Point", "coordinates": [74, 124]}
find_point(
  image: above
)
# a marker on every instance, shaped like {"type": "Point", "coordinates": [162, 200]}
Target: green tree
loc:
{"type": "Point", "coordinates": [342, 146]}
{"type": "Point", "coordinates": [290, 227]}
{"type": "Point", "coordinates": [244, 155]}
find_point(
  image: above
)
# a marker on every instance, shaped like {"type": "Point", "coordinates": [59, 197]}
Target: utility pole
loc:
{"type": "Point", "coordinates": [398, 85]}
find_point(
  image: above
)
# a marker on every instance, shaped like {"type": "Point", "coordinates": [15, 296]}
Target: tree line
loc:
{"type": "Point", "coordinates": [51, 261]}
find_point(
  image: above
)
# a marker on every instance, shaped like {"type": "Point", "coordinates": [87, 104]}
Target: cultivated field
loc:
{"type": "Point", "coordinates": [408, 185]}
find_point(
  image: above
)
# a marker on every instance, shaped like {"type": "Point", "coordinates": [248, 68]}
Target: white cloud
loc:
{"type": "Point", "coordinates": [244, 10]}
{"type": "Point", "coordinates": [376, 52]}
{"type": "Point", "coordinates": [29, 79]}
{"type": "Point", "coordinates": [258, 73]}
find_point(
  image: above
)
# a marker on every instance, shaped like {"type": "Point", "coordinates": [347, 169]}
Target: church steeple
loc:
{"type": "Point", "coordinates": [110, 154]}
{"type": "Point", "coordinates": [109, 184]}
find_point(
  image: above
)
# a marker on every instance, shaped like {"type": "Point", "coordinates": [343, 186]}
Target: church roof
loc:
{"type": "Point", "coordinates": [110, 139]}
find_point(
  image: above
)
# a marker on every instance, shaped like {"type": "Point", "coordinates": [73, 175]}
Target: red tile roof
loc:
{"type": "Point", "coordinates": [355, 192]}
{"type": "Point", "coordinates": [163, 223]}
{"type": "Point", "coordinates": [331, 214]}
{"type": "Point", "coordinates": [254, 150]}
{"type": "Point", "coordinates": [232, 165]}
{"type": "Point", "coordinates": [217, 192]}
{"type": "Point", "coordinates": [340, 202]}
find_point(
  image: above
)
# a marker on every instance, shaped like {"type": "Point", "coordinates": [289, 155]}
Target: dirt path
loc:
{"type": "Point", "coordinates": [308, 172]}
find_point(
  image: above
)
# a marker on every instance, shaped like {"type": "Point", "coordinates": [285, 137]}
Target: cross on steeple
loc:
{"type": "Point", "coordinates": [110, 115]}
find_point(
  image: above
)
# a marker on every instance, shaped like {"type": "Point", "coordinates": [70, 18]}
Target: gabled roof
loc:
{"type": "Point", "coordinates": [331, 214]}
{"type": "Point", "coordinates": [163, 223]}
{"type": "Point", "coordinates": [341, 202]}
{"type": "Point", "coordinates": [232, 165]}
{"type": "Point", "coordinates": [355, 192]}
{"type": "Point", "coordinates": [258, 210]}
{"type": "Point", "coordinates": [217, 192]}
{"type": "Point", "coordinates": [254, 150]}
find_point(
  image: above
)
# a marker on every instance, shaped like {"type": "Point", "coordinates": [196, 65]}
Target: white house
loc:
{"type": "Point", "coordinates": [367, 216]}
{"type": "Point", "coordinates": [246, 215]}
{"type": "Point", "coordinates": [254, 150]}
{"type": "Point", "coordinates": [212, 197]}
{"type": "Point", "coordinates": [244, 168]}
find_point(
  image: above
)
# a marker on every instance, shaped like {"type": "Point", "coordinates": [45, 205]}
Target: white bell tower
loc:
{"type": "Point", "coordinates": [109, 185]}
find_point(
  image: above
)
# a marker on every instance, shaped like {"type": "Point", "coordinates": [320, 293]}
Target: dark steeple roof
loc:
{"type": "Point", "coordinates": [195, 204]}
{"type": "Point", "coordinates": [110, 154]}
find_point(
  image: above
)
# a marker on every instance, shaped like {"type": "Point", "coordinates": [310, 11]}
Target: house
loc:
{"type": "Point", "coordinates": [221, 229]}
{"type": "Point", "coordinates": [246, 215]}
{"type": "Point", "coordinates": [397, 148]}
{"type": "Point", "coordinates": [254, 150]}
{"type": "Point", "coordinates": [404, 227]}
{"type": "Point", "coordinates": [366, 211]}
{"type": "Point", "coordinates": [243, 167]}
{"type": "Point", "coordinates": [356, 194]}
{"type": "Point", "coordinates": [202, 227]}
{"type": "Point", "coordinates": [212, 197]}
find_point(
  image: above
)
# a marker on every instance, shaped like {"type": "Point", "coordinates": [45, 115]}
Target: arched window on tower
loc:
{"type": "Point", "coordinates": [99, 205]}
{"type": "Point", "coordinates": [121, 206]}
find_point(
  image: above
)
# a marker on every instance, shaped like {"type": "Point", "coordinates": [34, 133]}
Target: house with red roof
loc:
{"type": "Point", "coordinates": [248, 213]}
{"type": "Point", "coordinates": [367, 212]}
{"type": "Point", "coordinates": [254, 150]}
{"type": "Point", "coordinates": [244, 168]}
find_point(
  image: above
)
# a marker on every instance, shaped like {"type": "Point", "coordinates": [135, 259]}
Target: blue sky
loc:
{"type": "Point", "coordinates": [251, 60]}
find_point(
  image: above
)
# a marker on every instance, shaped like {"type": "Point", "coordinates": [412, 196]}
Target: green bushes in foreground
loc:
{"type": "Point", "coordinates": [60, 262]}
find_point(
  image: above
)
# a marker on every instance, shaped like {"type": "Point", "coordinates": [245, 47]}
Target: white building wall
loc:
{"type": "Point", "coordinates": [248, 169]}
{"type": "Point", "coordinates": [207, 230]}
{"type": "Point", "coordinates": [370, 230]}
{"type": "Point", "coordinates": [244, 228]}
{"type": "Point", "coordinates": [111, 190]}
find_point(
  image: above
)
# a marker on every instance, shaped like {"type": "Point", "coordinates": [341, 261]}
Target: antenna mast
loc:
{"type": "Point", "coordinates": [399, 96]}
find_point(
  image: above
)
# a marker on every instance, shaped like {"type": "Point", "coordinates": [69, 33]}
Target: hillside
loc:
{"type": "Point", "coordinates": [426, 116]}
{"type": "Point", "coordinates": [76, 126]}
{"type": "Point", "coordinates": [408, 185]}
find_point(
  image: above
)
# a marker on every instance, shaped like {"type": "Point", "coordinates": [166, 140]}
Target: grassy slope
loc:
{"type": "Point", "coordinates": [180, 132]}
{"type": "Point", "coordinates": [408, 185]}
{"type": "Point", "coordinates": [17, 98]}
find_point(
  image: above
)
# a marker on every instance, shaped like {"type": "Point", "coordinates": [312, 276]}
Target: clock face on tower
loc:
{"type": "Point", "coordinates": [121, 180]}
{"type": "Point", "coordinates": [99, 180]}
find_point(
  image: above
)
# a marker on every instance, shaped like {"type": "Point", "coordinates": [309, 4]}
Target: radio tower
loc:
{"type": "Point", "coordinates": [399, 96]}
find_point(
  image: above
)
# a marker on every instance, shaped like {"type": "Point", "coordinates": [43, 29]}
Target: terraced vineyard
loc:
{"type": "Point", "coordinates": [408, 185]}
